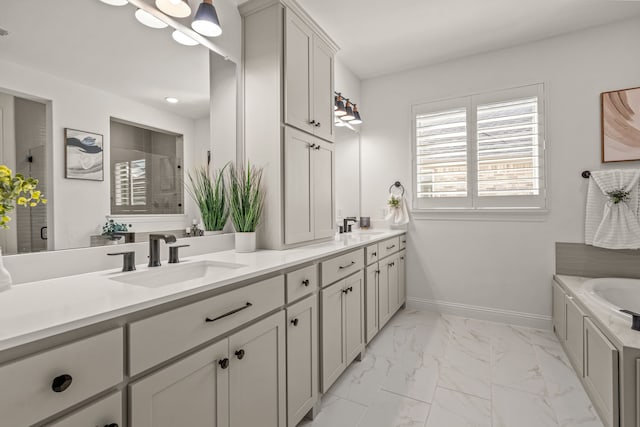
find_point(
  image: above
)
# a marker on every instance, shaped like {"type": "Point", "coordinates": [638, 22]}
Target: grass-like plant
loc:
{"type": "Point", "coordinates": [211, 196]}
{"type": "Point", "coordinates": [246, 197]}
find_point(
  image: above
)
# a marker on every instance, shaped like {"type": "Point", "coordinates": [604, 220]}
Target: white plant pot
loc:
{"type": "Point", "coordinates": [213, 233]}
{"type": "Point", "coordinates": [5, 276]}
{"type": "Point", "coordinates": [245, 242]}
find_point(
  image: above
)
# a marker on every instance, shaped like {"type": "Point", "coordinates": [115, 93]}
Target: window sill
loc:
{"type": "Point", "coordinates": [481, 214]}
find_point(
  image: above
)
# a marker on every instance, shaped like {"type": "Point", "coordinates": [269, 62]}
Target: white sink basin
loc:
{"type": "Point", "coordinates": [368, 232]}
{"type": "Point", "coordinates": [615, 294]}
{"type": "Point", "coordinates": [170, 274]}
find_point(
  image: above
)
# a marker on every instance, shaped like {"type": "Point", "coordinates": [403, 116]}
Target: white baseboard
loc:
{"type": "Point", "coordinates": [482, 313]}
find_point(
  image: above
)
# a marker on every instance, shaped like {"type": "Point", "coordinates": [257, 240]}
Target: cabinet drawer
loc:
{"type": "Point", "coordinates": [158, 338]}
{"type": "Point", "coordinates": [105, 412]}
{"type": "Point", "coordinates": [302, 282]}
{"type": "Point", "coordinates": [388, 247]}
{"type": "Point", "coordinates": [372, 254]}
{"type": "Point", "coordinates": [342, 266]}
{"type": "Point", "coordinates": [92, 365]}
{"type": "Point", "coordinates": [403, 241]}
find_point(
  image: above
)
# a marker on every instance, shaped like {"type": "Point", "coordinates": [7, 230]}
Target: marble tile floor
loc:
{"type": "Point", "coordinates": [430, 370]}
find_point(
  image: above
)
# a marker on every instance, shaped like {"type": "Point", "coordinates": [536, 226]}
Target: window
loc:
{"type": "Point", "coordinates": [146, 171]}
{"type": "Point", "coordinates": [481, 151]}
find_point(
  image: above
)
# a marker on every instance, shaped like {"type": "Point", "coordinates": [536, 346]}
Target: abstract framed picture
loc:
{"type": "Point", "coordinates": [620, 125]}
{"type": "Point", "coordinates": [83, 155]}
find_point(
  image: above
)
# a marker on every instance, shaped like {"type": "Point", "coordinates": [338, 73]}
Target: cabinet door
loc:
{"type": "Point", "coordinates": [601, 373]}
{"type": "Point", "coordinates": [371, 302]}
{"type": "Point", "coordinates": [394, 290]}
{"type": "Point", "coordinates": [323, 90]}
{"type": "Point", "coordinates": [354, 315]}
{"type": "Point", "coordinates": [333, 354]}
{"type": "Point", "coordinates": [302, 358]}
{"type": "Point", "coordinates": [574, 332]}
{"type": "Point", "coordinates": [402, 279]}
{"type": "Point", "coordinates": [384, 310]}
{"type": "Point", "coordinates": [298, 214]}
{"type": "Point", "coordinates": [298, 73]}
{"type": "Point", "coordinates": [193, 391]}
{"type": "Point", "coordinates": [559, 319]}
{"type": "Point", "coordinates": [257, 388]}
{"type": "Point", "coordinates": [105, 412]}
{"type": "Point", "coordinates": [323, 165]}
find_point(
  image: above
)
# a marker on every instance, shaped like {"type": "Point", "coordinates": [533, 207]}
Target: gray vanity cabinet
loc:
{"type": "Point", "coordinates": [402, 277]}
{"type": "Point", "coordinates": [559, 305]}
{"type": "Point", "coordinates": [574, 334]}
{"type": "Point", "coordinates": [371, 302]}
{"type": "Point", "coordinates": [302, 358]}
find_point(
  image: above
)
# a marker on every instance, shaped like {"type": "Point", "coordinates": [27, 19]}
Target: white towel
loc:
{"type": "Point", "coordinates": [399, 215]}
{"type": "Point", "coordinates": [613, 225]}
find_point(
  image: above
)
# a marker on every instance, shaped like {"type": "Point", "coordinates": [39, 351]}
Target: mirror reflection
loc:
{"type": "Point", "coordinates": [347, 151]}
{"type": "Point", "coordinates": [84, 65]}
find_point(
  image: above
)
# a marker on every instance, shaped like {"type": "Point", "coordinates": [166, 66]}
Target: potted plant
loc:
{"type": "Point", "coordinates": [15, 190]}
{"type": "Point", "coordinates": [210, 196]}
{"type": "Point", "coordinates": [246, 200]}
{"type": "Point", "coordinates": [112, 231]}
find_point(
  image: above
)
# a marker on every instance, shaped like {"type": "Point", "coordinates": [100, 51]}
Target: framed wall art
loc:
{"type": "Point", "coordinates": [84, 155]}
{"type": "Point", "coordinates": [620, 125]}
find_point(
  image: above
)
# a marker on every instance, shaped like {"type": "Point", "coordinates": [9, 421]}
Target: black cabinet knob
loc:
{"type": "Point", "coordinates": [224, 363]}
{"type": "Point", "coordinates": [240, 354]}
{"type": "Point", "coordinates": [294, 322]}
{"type": "Point", "coordinates": [318, 124]}
{"type": "Point", "coordinates": [61, 383]}
{"type": "Point", "coordinates": [345, 291]}
{"type": "Point", "coordinates": [305, 282]}
{"type": "Point", "coordinates": [350, 288]}
{"type": "Point", "coordinates": [312, 122]}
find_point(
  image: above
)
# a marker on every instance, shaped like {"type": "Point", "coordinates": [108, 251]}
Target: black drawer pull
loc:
{"type": "Point", "coordinates": [240, 354]}
{"type": "Point", "coordinates": [305, 282]}
{"type": "Point", "coordinates": [224, 363]}
{"type": "Point", "coordinates": [350, 288]}
{"type": "Point", "coordinates": [391, 247]}
{"type": "Point", "coordinates": [345, 291]}
{"type": "Point", "coordinates": [61, 383]}
{"type": "Point", "coordinates": [374, 254]}
{"type": "Point", "coordinates": [237, 310]}
{"type": "Point", "coordinates": [342, 267]}
{"type": "Point", "coordinates": [294, 322]}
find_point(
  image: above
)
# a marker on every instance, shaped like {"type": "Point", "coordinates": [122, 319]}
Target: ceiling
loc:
{"type": "Point", "coordinates": [379, 37]}
{"type": "Point", "coordinates": [104, 47]}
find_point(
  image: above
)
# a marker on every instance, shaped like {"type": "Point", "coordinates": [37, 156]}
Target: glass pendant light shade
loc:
{"type": "Point", "coordinates": [145, 18]}
{"type": "Point", "coordinates": [348, 115]}
{"type": "Point", "coordinates": [340, 123]}
{"type": "Point", "coordinates": [115, 2]}
{"type": "Point", "coordinates": [182, 38]}
{"type": "Point", "coordinates": [339, 107]}
{"type": "Point", "coordinates": [206, 21]}
{"type": "Point", "coordinates": [357, 120]}
{"type": "Point", "coordinates": [175, 8]}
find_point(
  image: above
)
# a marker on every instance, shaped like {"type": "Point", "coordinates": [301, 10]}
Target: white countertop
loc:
{"type": "Point", "coordinates": [619, 329]}
{"type": "Point", "coordinates": [37, 310]}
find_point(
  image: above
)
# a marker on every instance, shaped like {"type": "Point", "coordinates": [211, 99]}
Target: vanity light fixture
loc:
{"type": "Point", "coordinates": [339, 109]}
{"type": "Point", "coordinates": [206, 20]}
{"type": "Point", "coordinates": [175, 8]}
{"type": "Point", "coordinates": [145, 18]}
{"type": "Point", "coordinates": [115, 2]}
{"type": "Point", "coordinates": [171, 100]}
{"type": "Point", "coordinates": [183, 39]}
{"type": "Point", "coordinates": [357, 120]}
{"type": "Point", "coordinates": [348, 115]}
{"type": "Point", "coordinates": [340, 123]}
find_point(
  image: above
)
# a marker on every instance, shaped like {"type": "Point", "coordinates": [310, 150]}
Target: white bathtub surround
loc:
{"type": "Point", "coordinates": [5, 276]}
{"type": "Point", "coordinates": [609, 223]}
{"type": "Point", "coordinates": [245, 242]}
{"type": "Point", "coordinates": [430, 370]}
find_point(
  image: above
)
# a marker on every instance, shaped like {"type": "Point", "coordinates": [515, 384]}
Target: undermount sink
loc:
{"type": "Point", "coordinates": [368, 232]}
{"type": "Point", "coordinates": [615, 294]}
{"type": "Point", "coordinates": [171, 274]}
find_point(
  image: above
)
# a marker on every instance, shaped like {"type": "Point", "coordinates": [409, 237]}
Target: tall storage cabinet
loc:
{"type": "Point", "coordinates": [288, 120]}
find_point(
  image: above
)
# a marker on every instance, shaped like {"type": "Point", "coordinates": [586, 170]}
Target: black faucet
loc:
{"type": "Point", "coordinates": [154, 247]}
{"type": "Point", "coordinates": [346, 227]}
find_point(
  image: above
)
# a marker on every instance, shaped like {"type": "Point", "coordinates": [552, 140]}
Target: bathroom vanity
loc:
{"type": "Point", "coordinates": [221, 339]}
{"type": "Point", "coordinates": [602, 348]}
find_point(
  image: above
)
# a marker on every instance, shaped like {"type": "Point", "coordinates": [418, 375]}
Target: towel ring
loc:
{"type": "Point", "coordinates": [397, 184]}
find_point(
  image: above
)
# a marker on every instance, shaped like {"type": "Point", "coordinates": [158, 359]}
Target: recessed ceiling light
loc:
{"type": "Point", "coordinates": [115, 2]}
{"type": "Point", "coordinates": [184, 39]}
{"type": "Point", "coordinates": [171, 100]}
{"type": "Point", "coordinates": [149, 20]}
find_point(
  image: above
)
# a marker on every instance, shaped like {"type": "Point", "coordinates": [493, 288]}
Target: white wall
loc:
{"type": "Point", "coordinates": [503, 265]}
{"type": "Point", "coordinates": [79, 207]}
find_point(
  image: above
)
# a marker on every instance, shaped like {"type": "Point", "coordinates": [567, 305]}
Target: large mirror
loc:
{"type": "Point", "coordinates": [88, 107]}
{"type": "Point", "coordinates": [347, 152]}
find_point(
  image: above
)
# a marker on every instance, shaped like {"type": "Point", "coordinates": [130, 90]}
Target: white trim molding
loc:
{"type": "Point", "coordinates": [511, 317]}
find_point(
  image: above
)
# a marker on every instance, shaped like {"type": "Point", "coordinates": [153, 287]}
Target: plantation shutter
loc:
{"type": "Point", "coordinates": [130, 182]}
{"type": "Point", "coordinates": [122, 191]}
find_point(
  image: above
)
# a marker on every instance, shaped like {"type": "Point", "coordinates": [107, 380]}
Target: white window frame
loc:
{"type": "Point", "coordinates": [474, 203]}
